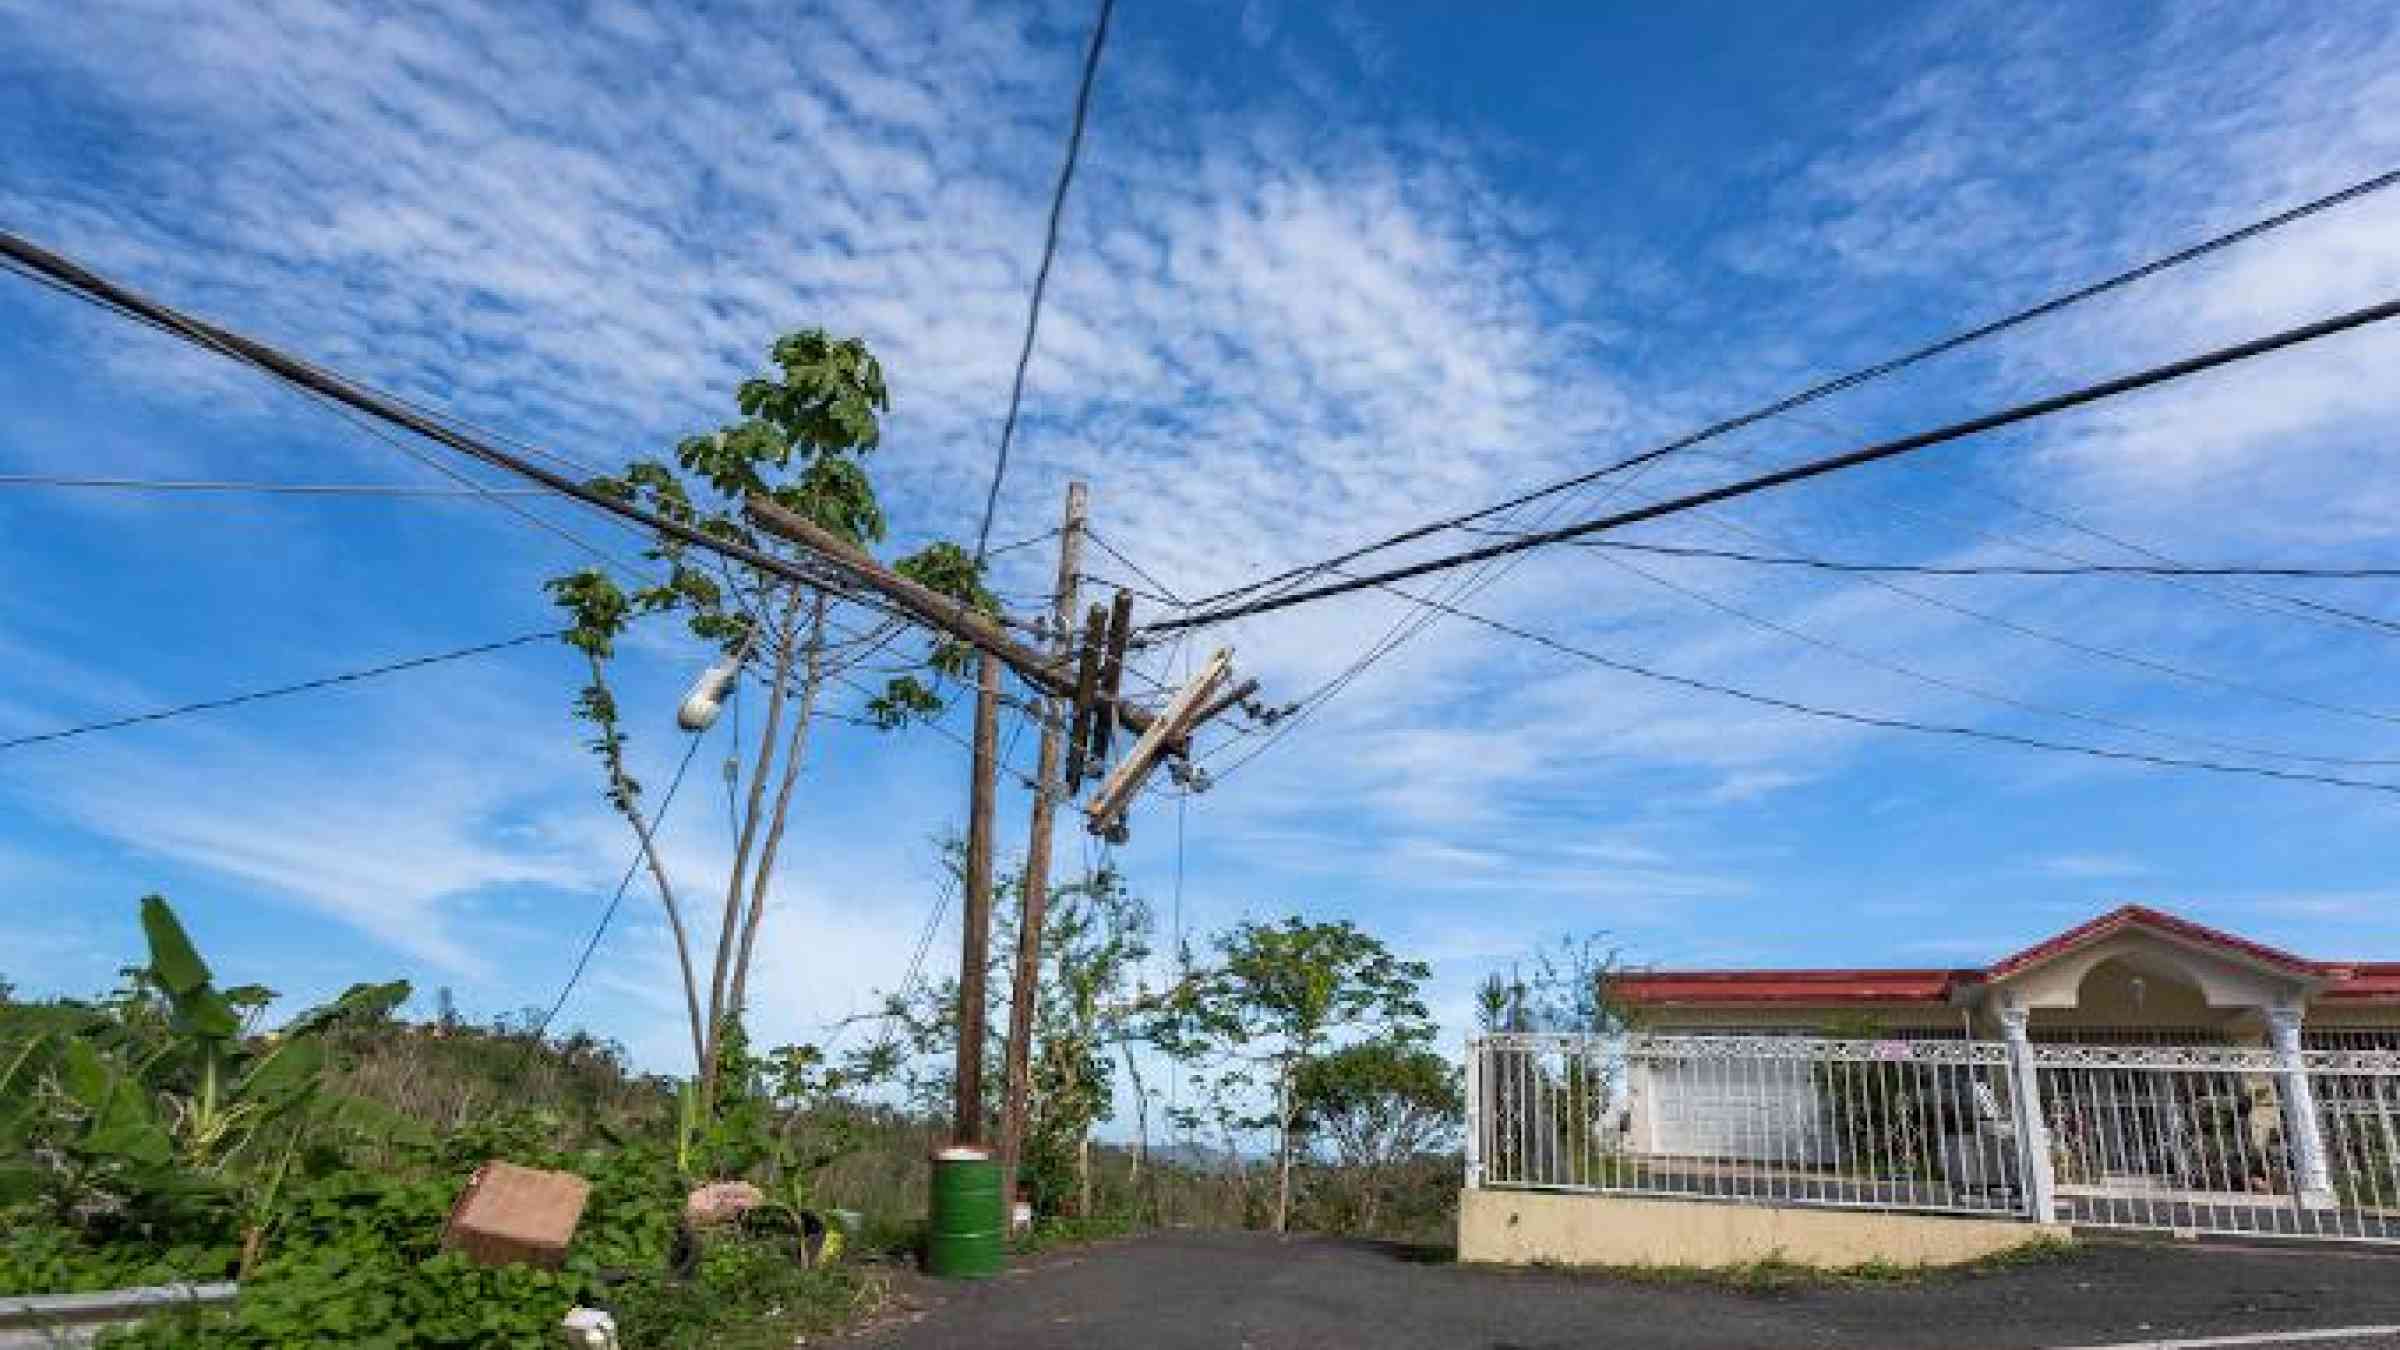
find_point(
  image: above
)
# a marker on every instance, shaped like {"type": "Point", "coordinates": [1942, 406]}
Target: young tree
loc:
{"type": "Point", "coordinates": [802, 441]}
{"type": "Point", "coordinates": [1379, 1105]}
{"type": "Point", "coordinates": [1568, 988]}
{"type": "Point", "coordinates": [1090, 1000]}
{"type": "Point", "coordinates": [1281, 995]}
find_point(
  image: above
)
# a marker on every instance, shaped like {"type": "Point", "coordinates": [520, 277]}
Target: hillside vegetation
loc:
{"type": "Point", "coordinates": [160, 1133]}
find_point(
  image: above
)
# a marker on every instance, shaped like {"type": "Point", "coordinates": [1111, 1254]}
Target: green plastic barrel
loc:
{"type": "Point", "coordinates": [964, 1232]}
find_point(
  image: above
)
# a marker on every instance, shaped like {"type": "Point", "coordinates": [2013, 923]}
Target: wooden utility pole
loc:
{"type": "Point", "coordinates": [975, 946]}
{"type": "Point", "coordinates": [1034, 890]}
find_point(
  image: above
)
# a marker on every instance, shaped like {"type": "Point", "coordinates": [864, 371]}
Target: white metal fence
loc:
{"type": "Point", "coordinates": [2203, 1138]}
{"type": "Point", "coordinates": [2225, 1139]}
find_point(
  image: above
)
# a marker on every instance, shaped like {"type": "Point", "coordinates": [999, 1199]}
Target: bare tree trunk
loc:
{"type": "Point", "coordinates": [1283, 1148]}
{"type": "Point", "coordinates": [741, 851]}
{"type": "Point", "coordinates": [1083, 1174]}
{"type": "Point", "coordinates": [1141, 1120]}
{"type": "Point", "coordinates": [621, 793]}
{"type": "Point", "coordinates": [810, 681]}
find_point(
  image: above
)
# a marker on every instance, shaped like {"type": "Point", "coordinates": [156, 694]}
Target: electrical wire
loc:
{"type": "Point", "coordinates": [1026, 542]}
{"type": "Point", "coordinates": [823, 571]}
{"type": "Point", "coordinates": [258, 695]}
{"type": "Point", "coordinates": [608, 915]}
{"type": "Point", "coordinates": [1816, 468]}
{"type": "Point", "coordinates": [275, 489]}
{"type": "Point", "coordinates": [1977, 691]}
{"type": "Point", "coordinates": [1041, 275]}
{"type": "Point", "coordinates": [1825, 389]}
{"type": "Point", "coordinates": [1893, 723]}
{"type": "Point", "coordinates": [1984, 569]}
{"type": "Point", "coordinates": [1165, 592]}
{"type": "Point", "coordinates": [2079, 645]}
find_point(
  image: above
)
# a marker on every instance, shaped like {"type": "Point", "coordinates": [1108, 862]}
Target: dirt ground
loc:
{"type": "Point", "coordinates": [1252, 1291]}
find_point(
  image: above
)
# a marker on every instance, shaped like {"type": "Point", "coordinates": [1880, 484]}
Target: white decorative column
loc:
{"type": "Point", "coordinates": [1478, 1113]}
{"type": "Point", "coordinates": [2033, 1133]}
{"type": "Point", "coordinates": [2309, 1173]}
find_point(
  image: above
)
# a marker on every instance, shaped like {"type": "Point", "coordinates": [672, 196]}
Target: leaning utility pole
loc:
{"type": "Point", "coordinates": [975, 946]}
{"type": "Point", "coordinates": [1034, 889]}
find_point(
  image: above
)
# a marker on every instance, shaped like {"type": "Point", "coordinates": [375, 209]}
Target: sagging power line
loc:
{"type": "Point", "coordinates": [280, 691]}
{"type": "Point", "coordinates": [1817, 468]}
{"type": "Point", "coordinates": [1880, 722]}
{"type": "Point", "coordinates": [1827, 388]}
{"type": "Point", "coordinates": [2314, 573]}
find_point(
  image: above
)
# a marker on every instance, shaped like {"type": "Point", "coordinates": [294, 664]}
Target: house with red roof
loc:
{"type": "Point", "coordinates": [2135, 976]}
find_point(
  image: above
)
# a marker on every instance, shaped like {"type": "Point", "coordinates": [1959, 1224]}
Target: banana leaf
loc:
{"type": "Point", "coordinates": [198, 1008]}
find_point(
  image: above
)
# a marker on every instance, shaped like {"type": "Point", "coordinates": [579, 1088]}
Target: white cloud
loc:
{"type": "Point", "coordinates": [2093, 866]}
{"type": "Point", "coordinates": [1273, 333]}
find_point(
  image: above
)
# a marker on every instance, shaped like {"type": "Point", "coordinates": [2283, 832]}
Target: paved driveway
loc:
{"type": "Point", "coordinates": [1249, 1291]}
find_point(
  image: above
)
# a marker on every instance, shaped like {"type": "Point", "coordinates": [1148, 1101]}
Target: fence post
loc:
{"type": "Point", "coordinates": [1475, 1112]}
{"type": "Point", "coordinates": [2033, 1133]}
{"type": "Point", "coordinates": [2310, 1176]}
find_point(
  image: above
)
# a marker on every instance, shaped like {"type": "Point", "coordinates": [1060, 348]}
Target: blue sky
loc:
{"type": "Point", "coordinates": [1327, 270]}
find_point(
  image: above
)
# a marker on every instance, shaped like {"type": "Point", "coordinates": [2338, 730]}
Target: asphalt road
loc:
{"type": "Point", "coordinates": [1249, 1291]}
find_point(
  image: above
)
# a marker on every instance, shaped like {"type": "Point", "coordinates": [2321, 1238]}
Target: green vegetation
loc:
{"type": "Point", "coordinates": [163, 1133]}
{"type": "Point", "coordinates": [158, 1134]}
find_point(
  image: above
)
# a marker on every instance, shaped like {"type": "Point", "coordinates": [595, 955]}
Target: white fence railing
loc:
{"type": "Point", "coordinates": [2204, 1138]}
{"type": "Point", "coordinates": [2224, 1139]}
{"type": "Point", "coordinates": [1876, 1124]}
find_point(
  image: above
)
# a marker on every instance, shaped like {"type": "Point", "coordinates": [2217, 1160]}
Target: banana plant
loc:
{"type": "Point", "coordinates": [178, 1107]}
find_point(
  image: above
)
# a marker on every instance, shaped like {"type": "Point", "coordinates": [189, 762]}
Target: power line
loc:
{"type": "Point", "coordinates": [1409, 627]}
{"type": "Point", "coordinates": [1983, 569]}
{"type": "Point", "coordinates": [279, 489]}
{"type": "Point", "coordinates": [2023, 412]}
{"type": "Point", "coordinates": [255, 696]}
{"type": "Point", "coordinates": [608, 915]}
{"type": "Point", "coordinates": [2075, 644]}
{"type": "Point", "coordinates": [1166, 592]}
{"type": "Point", "coordinates": [1838, 384]}
{"type": "Point", "coordinates": [1404, 630]}
{"type": "Point", "coordinates": [1892, 723]}
{"type": "Point", "coordinates": [820, 571]}
{"type": "Point", "coordinates": [1026, 542]}
{"type": "Point", "coordinates": [1976, 691]}
{"type": "Point", "coordinates": [2257, 598]}
{"type": "Point", "coordinates": [1041, 275]}
{"type": "Point", "coordinates": [313, 383]}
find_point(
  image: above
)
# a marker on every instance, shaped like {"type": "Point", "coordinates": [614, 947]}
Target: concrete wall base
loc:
{"type": "Point", "coordinates": [1529, 1227]}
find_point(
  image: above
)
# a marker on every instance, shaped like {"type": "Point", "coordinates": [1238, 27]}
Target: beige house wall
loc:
{"type": "Point", "coordinates": [1529, 1227]}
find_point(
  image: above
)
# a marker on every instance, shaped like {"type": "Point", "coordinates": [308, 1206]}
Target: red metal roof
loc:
{"type": "Point", "coordinates": [2364, 982]}
{"type": "Point", "coordinates": [2348, 981]}
{"type": "Point", "coordinates": [1788, 986]}
{"type": "Point", "coordinates": [2142, 916]}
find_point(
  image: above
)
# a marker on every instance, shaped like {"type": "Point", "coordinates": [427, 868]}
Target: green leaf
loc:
{"type": "Point", "coordinates": [291, 1066]}
{"type": "Point", "coordinates": [121, 1122]}
{"type": "Point", "coordinates": [176, 964]}
{"type": "Point", "coordinates": [358, 1003]}
{"type": "Point", "coordinates": [172, 957]}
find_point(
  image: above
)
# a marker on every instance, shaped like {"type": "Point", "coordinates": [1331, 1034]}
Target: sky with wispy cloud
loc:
{"type": "Point", "coordinates": [1327, 270]}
